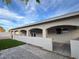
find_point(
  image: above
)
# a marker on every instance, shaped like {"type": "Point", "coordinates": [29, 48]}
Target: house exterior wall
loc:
{"type": "Point", "coordinates": [59, 38]}
{"type": "Point", "coordinates": [5, 35]}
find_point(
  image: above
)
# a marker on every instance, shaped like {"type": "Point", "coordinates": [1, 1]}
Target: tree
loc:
{"type": "Point", "coordinates": [26, 1]}
{"type": "Point", "coordinates": [2, 29]}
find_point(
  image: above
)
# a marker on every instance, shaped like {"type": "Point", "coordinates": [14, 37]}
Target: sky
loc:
{"type": "Point", "coordinates": [19, 14]}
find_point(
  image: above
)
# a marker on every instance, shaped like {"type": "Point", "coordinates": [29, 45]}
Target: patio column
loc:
{"type": "Point", "coordinates": [27, 33]}
{"type": "Point", "coordinates": [13, 34]}
{"type": "Point", "coordinates": [44, 33]}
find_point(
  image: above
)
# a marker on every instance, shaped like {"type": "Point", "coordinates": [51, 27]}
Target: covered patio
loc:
{"type": "Point", "coordinates": [23, 32]}
{"type": "Point", "coordinates": [61, 36]}
{"type": "Point", "coordinates": [62, 33]}
{"type": "Point", "coordinates": [36, 32]}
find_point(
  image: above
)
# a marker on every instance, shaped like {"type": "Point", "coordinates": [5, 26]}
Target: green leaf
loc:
{"type": "Point", "coordinates": [7, 1]}
{"type": "Point", "coordinates": [38, 1]}
{"type": "Point", "coordinates": [26, 1]}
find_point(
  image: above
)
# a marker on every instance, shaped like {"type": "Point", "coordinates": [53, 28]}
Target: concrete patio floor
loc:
{"type": "Point", "coordinates": [28, 52]}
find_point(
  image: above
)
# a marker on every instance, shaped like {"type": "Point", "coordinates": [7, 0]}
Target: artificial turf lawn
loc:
{"type": "Point", "coordinates": [9, 43]}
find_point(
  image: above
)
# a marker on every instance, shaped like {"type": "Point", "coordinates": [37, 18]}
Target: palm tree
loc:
{"type": "Point", "coordinates": [26, 1]}
{"type": "Point", "coordinates": [7, 1]}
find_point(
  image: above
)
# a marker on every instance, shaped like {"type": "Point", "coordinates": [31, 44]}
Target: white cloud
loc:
{"type": "Point", "coordinates": [9, 14]}
{"type": "Point", "coordinates": [6, 22]}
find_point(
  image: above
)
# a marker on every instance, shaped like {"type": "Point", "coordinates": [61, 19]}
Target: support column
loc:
{"type": "Point", "coordinates": [44, 33]}
{"type": "Point", "coordinates": [27, 33]}
{"type": "Point", "coordinates": [13, 34]}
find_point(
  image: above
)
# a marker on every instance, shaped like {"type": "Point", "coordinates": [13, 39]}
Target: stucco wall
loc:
{"type": "Point", "coordinates": [45, 43]}
{"type": "Point", "coordinates": [75, 48]}
{"type": "Point", "coordinates": [5, 35]}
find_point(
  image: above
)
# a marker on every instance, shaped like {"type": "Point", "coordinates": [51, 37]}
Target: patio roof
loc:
{"type": "Point", "coordinates": [53, 19]}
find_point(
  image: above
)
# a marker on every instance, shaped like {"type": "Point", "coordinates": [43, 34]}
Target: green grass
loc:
{"type": "Point", "coordinates": [9, 43]}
